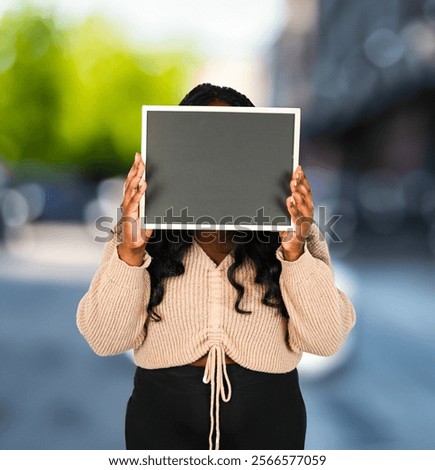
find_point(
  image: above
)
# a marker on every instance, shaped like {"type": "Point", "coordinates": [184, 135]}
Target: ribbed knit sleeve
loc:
{"type": "Point", "coordinates": [321, 315]}
{"type": "Point", "coordinates": [112, 313]}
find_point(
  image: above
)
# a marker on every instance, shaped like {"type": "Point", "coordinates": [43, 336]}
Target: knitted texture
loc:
{"type": "Point", "coordinates": [197, 311]}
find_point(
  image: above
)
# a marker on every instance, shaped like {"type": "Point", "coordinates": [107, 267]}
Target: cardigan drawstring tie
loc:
{"type": "Point", "coordinates": [216, 373]}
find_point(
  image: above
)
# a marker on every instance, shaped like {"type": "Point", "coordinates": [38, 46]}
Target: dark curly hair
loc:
{"type": "Point", "coordinates": [167, 247]}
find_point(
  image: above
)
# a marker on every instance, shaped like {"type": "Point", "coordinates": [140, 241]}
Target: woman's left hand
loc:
{"type": "Point", "coordinates": [301, 208]}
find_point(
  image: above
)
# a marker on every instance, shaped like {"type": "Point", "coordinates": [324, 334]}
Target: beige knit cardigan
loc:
{"type": "Point", "coordinates": [198, 315]}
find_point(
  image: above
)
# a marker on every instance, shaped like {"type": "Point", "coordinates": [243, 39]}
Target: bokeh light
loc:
{"type": "Point", "coordinates": [384, 48]}
{"type": "Point", "coordinates": [382, 199]}
{"type": "Point", "coordinates": [14, 208]}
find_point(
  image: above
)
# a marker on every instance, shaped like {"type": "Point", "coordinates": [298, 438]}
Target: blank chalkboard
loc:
{"type": "Point", "coordinates": [218, 167]}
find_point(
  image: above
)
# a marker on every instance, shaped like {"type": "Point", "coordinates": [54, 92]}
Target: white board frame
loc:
{"type": "Point", "coordinates": [216, 109]}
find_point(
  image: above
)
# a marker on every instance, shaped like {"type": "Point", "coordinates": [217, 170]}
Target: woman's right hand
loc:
{"type": "Point", "coordinates": [133, 237]}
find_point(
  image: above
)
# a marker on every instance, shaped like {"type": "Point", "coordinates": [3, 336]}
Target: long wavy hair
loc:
{"type": "Point", "coordinates": [167, 247]}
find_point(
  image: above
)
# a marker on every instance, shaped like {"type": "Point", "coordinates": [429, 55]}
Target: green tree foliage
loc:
{"type": "Point", "coordinates": [71, 97]}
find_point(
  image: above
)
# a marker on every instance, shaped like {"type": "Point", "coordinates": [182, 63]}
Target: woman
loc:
{"type": "Point", "coordinates": [228, 309]}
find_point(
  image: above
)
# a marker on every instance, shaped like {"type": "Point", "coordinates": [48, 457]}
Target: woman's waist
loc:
{"type": "Point", "coordinates": [192, 340]}
{"type": "Point", "coordinates": [202, 361]}
{"type": "Point", "coordinates": [277, 359]}
{"type": "Point", "coordinates": [188, 378]}
{"type": "Point", "coordinates": [160, 351]}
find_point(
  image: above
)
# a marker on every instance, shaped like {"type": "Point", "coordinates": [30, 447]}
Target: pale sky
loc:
{"type": "Point", "coordinates": [219, 28]}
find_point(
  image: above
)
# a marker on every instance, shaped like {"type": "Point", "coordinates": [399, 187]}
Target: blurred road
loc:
{"type": "Point", "coordinates": [384, 397]}
{"type": "Point", "coordinates": [56, 393]}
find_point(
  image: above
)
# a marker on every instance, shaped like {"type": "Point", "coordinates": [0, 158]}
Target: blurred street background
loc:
{"type": "Point", "coordinates": [73, 77]}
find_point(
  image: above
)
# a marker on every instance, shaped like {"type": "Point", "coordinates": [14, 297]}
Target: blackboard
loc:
{"type": "Point", "coordinates": [218, 167]}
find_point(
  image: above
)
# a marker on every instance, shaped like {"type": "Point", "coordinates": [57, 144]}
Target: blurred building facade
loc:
{"type": "Point", "coordinates": [363, 74]}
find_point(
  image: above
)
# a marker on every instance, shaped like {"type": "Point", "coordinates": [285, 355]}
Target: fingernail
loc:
{"type": "Point", "coordinates": [295, 183]}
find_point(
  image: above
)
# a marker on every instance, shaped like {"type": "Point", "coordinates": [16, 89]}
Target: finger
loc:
{"type": "Point", "coordinates": [293, 183]}
{"type": "Point", "coordinates": [303, 206]}
{"type": "Point", "coordinates": [299, 177]}
{"type": "Point", "coordinates": [286, 236]}
{"type": "Point", "coordinates": [140, 165]}
{"type": "Point", "coordinates": [131, 186]}
{"type": "Point", "coordinates": [302, 199]}
{"type": "Point", "coordinates": [137, 180]}
{"type": "Point", "coordinates": [299, 199]}
{"type": "Point", "coordinates": [126, 201]}
{"type": "Point", "coordinates": [147, 233]}
{"type": "Point", "coordinates": [131, 197]}
{"type": "Point", "coordinates": [140, 169]}
{"type": "Point", "coordinates": [293, 180]}
{"type": "Point", "coordinates": [136, 162]}
{"type": "Point", "coordinates": [292, 209]}
{"type": "Point", "coordinates": [297, 170]}
{"type": "Point", "coordinates": [307, 205]}
{"type": "Point", "coordinates": [132, 207]}
{"type": "Point", "coordinates": [297, 180]}
{"type": "Point", "coordinates": [306, 211]}
{"type": "Point", "coordinates": [131, 174]}
{"type": "Point", "coordinates": [139, 193]}
{"type": "Point", "coordinates": [133, 169]}
{"type": "Point", "coordinates": [302, 211]}
{"type": "Point", "coordinates": [303, 186]}
{"type": "Point", "coordinates": [135, 184]}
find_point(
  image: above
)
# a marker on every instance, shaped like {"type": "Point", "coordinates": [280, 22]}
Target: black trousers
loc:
{"type": "Point", "coordinates": [170, 409]}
